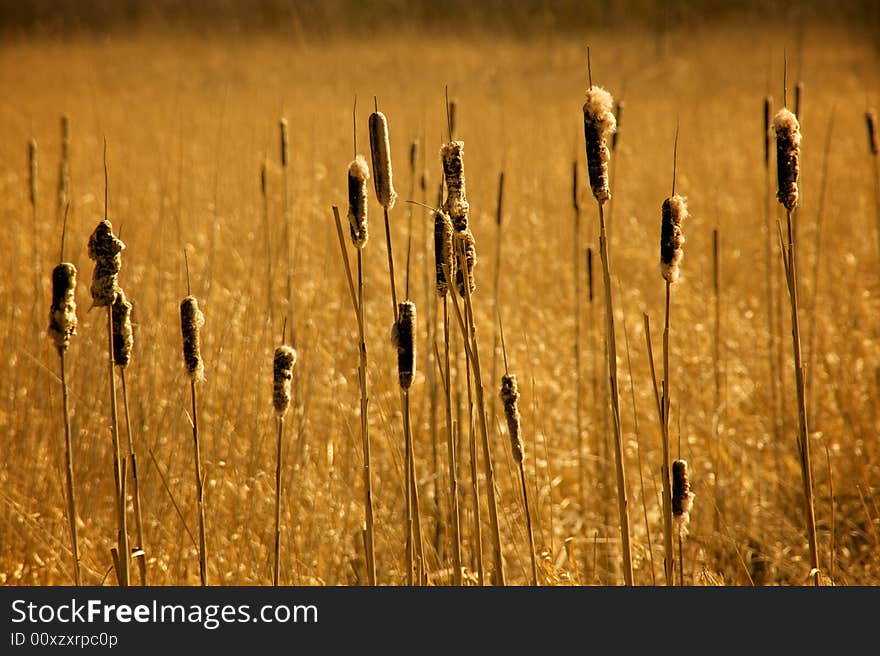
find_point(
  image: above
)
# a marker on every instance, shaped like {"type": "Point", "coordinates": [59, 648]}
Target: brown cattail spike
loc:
{"type": "Point", "coordinates": [465, 240]}
{"type": "Point", "coordinates": [285, 359]}
{"type": "Point", "coordinates": [358, 174]}
{"type": "Point", "coordinates": [871, 123]}
{"type": "Point", "coordinates": [403, 336]}
{"type": "Point", "coordinates": [768, 112]}
{"type": "Point", "coordinates": [456, 205]}
{"type": "Point", "coordinates": [122, 335]}
{"type": "Point", "coordinates": [32, 170]}
{"type": "Point", "coordinates": [788, 149]}
{"type": "Point", "coordinates": [618, 113]}
{"type": "Point", "coordinates": [509, 397]}
{"type": "Point", "coordinates": [413, 154]}
{"type": "Point", "coordinates": [682, 497]}
{"type": "Point", "coordinates": [105, 249]}
{"type": "Point", "coordinates": [599, 124]}
{"type": "Point", "coordinates": [442, 250]}
{"type": "Point", "coordinates": [673, 213]}
{"type": "Point", "coordinates": [380, 148]}
{"type": "Point", "coordinates": [62, 315]}
{"type": "Point", "coordinates": [191, 322]}
{"type": "Point", "coordinates": [284, 144]}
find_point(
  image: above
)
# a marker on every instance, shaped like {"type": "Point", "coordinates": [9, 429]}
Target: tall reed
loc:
{"type": "Point", "coordinates": [788, 140]}
{"type": "Point", "coordinates": [871, 125]}
{"type": "Point", "coordinates": [599, 125]}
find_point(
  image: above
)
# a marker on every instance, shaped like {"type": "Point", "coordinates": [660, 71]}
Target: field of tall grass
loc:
{"type": "Point", "coordinates": [199, 196]}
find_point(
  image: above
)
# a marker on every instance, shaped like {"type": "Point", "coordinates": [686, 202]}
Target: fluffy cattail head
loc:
{"type": "Point", "coordinates": [442, 250]}
{"type": "Point", "coordinates": [509, 397]}
{"type": "Point", "coordinates": [32, 170]}
{"type": "Point", "coordinates": [105, 249]}
{"type": "Point", "coordinates": [788, 149]}
{"type": "Point", "coordinates": [191, 322]}
{"type": "Point", "coordinates": [358, 174]}
{"type": "Point", "coordinates": [403, 336]}
{"type": "Point", "coordinates": [871, 123]}
{"type": "Point", "coordinates": [466, 248]}
{"type": "Point", "coordinates": [285, 358]}
{"type": "Point", "coordinates": [599, 124]}
{"type": "Point", "coordinates": [380, 148]}
{"type": "Point", "coordinates": [284, 144]}
{"type": "Point", "coordinates": [122, 335]}
{"type": "Point", "coordinates": [62, 314]}
{"type": "Point", "coordinates": [456, 205]}
{"type": "Point", "coordinates": [682, 497]}
{"type": "Point", "coordinates": [671, 238]}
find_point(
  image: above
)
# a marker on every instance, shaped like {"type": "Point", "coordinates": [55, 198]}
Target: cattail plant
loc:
{"type": "Point", "coordinates": [599, 125]}
{"type": "Point", "coordinates": [123, 342]}
{"type": "Point", "coordinates": [64, 164]}
{"type": "Point", "coordinates": [496, 296]}
{"type": "Point", "coordinates": [282, 366]}
{"type": "Point", "coordinates": [788, 141]}
{"type": "Point", "coordinates": [62, 327]}
{"type": "Point", "coordinates": [578, 403]}
{"type": "Point", "coordinates": [443, 263]}
{"type": "Point", "coordinates": [465, 257]}
{"type": "Point", "coordinates": [105, 249]}
{"type": "Point", "coordinates": [673, 213]}
{"type": "Point", "coordinates": [403, 336]}
{"type": "Point", "coordinates": [32, 195]}
{"type": "Point", "coordinates": [191, 322]}
{"type": "Point", "coordinates": [509, 400]}
{"type": "Point", "coordinates": [285, 210]}
{"type": "Point", "coordinates": [358, 174]}
{"type": "Point", "coordinates": [682, 500]}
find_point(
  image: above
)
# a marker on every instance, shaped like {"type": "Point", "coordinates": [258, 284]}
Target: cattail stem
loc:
{"type": "Point", "coordinates": [277, 570]}
{"type": "Point", "coordinates": [414, 515]}
{"type": "Point", "coordinates": [466, 323]}
{"type": "Point", "coordinates": [525, 492]}
{"type": "Point", "coordinates": [455, 517]}
{"type": "Point", "coordinates": [200, 496]}
{"type": "Point", "coordinates": [71, 487]}
{"type": "Point", "coordinates": [138, 516]}
{"type": "Point", "coordinates": [716, 367]}
{"type": "Point", "coordinates": [622, 502]}
{"type": "Point", "coordinates": [680, 564]}
{"type": "Point", "coordinates": [579, 446]}
{"type": "Point", "coordinates": [472, 446]}
{"type": "Point", "coordinates": [390, 261]}
{"type": "Point", "coordinates": [267, 230]}
{"type": "Point", "coordinates": [358, 302]}
{"type": "Point", "coordinates": [122, 529]}
{"type": "Point", "coordinates": [803, 432]}
{"type": "Point", "coordinates": [665, 468]}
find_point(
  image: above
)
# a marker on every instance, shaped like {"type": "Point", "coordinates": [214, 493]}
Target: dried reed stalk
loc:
{"type": "Point", "coordinates": [871, 125]}
{"type": "Point", "coordinates": [599, 124]}
{"type": "Point", "coordinates": [122, 347]}
{"type": "Point", "coordinates": [357, 300]}
{"type": "Point", "coordinates": [282, 375]}
{"type": "Point", "coordinates": [62, 327]}
{"type": "Point", "coordinates": [191, 322]}
{"type": "Point", "coordinates": [788, 138]}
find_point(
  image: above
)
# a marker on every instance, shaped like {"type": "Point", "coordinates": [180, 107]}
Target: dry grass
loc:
{"type": "Point", "coordinates": [190, 127]}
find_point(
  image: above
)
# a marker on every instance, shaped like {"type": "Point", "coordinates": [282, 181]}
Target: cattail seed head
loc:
{"type": "Point", "coordinates": [358, 174]}
{"type": "Point", "coordinates": [674, 211]}
{"type": "Point", "coordinates": [380, 149]}
{"type": "Point", "coordinates": [599, 124]}
{"type": "Point", "coordinates": [413, 154]}
{"type": "Point", "coordinates": [768, 112]}
{"type": "Point", "coordinates": [191, 322]}
{"type": "Point", "coordinates": [62, 314]}
{"type": "Point", "coordinates": [285, 359]}
{"type": "Point", "coordinates": [788, 149]}
{"type": "Point", "coordinates": [682, 497]}
{"type": "Point", "coordinates": [442, 250]}
{"type": "Point", "coordinates": [263, 180]}
{"type": "Point", "coordinates": [465, 242]}
{"type": "Point", "coordinates": [509, 397]}
{"type": "Point", "coordinates": [105, 249]}
{"type": "Point", "coordinates": [122, 335]}
{"type": "Point", "coordinates": [284, 144]}
{"type": "Point", "coordinates": [32, 170]}
{"type": "Point", "coordinates": [456, 205]}
{"type": "Point", "coordinates": [403, 335]}
{"type": "Point", "coordinates": [871, 123]}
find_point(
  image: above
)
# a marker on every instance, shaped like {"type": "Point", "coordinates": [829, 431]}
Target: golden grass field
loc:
{"type": "Point", "coordinates": [189, 120]}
